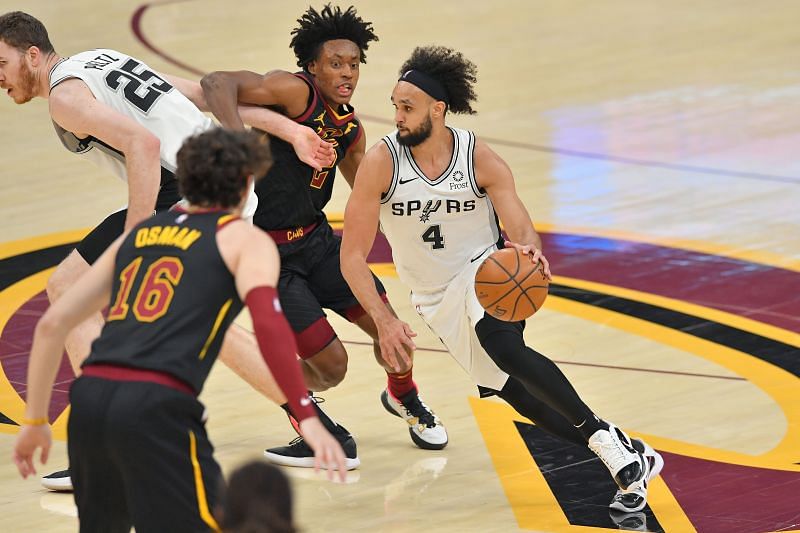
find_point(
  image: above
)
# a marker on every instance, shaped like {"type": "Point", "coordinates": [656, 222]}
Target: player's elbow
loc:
{"type": "Point", "coordinates": [145, 145]}
{"type": "Point", "coordinates": [212, 81]}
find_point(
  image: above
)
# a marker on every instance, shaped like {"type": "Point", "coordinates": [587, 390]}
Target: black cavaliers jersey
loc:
{"type": "Point", "coordinates": [293, 194]}
{"type": "Point", "coordinates": [173, 298]}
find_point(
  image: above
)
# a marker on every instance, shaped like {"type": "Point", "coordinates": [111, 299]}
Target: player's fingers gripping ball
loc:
{"type": "Point", "coordinates": [509, 286]}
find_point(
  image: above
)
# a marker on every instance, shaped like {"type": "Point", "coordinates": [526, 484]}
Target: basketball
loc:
{"type": "Point", "coordinates": [509, 286]}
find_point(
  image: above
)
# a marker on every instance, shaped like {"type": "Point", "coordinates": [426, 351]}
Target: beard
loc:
{"type": "Point", "coordinates": [24, 92]}
{"type": "Point", "coordinates": [418, 136]}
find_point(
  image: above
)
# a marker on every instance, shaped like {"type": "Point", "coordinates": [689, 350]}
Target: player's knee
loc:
{"type": "Point", "coordinates": [59, 281]}
{"type": "Point", "coordinates": [504, 346]}
{"type": "Point", "coordinates": [65, 275]}
{"type": "Point", "coordinates": [330, 364]}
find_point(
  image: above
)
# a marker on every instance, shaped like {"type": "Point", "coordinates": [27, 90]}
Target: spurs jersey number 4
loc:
{"type": "Point", "coordinates": [437, 227]}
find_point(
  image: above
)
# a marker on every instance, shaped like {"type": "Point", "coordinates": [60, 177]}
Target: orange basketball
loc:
{"type": "Point", "coordinates": [509, 286]}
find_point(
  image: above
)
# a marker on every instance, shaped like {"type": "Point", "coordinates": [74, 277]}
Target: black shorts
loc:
{"type": "Point", "coordinates": [139, 456]}
{"type": "Point", "coordinates": [95, 243]}
{"type": "Point", "coordinates": [311, 279]}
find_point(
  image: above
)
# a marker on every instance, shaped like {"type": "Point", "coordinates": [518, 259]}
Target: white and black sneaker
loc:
{"type": "Point", "coordinates": [628, 467]}
{"type": "Point", "coordinates": [634, 501]}
{"type": "Point", "coordinates": [424, 426]}
{"type": "Point", "coordinates": [58, 481]}
{"type": "Point", "coordinates": [629, 521]}
{"type": "Point", "coordinates": [298, 453]}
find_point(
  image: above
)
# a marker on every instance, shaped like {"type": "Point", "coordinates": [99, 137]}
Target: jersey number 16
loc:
{"type": "Point", "coordinates": [155, 291]}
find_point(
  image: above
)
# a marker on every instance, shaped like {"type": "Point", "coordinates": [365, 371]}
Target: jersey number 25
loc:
{"type": "Point", "coordinates": [142, 88]}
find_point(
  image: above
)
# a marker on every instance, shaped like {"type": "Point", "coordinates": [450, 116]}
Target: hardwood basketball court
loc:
{"type": "Point", "coordinates": [656, 148]}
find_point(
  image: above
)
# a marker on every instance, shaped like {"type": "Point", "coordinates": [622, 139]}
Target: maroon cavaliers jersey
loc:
{"type": "Point", "coordinates": [293, 194]}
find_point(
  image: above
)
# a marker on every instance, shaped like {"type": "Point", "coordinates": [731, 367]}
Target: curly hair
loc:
{"type": "Point", "coordinates": [213, 166]}
{"type": "Point", "coordinates": [317, 27]}
{"type": "Point", "coordinates": [452, 70]}
{"type": "Point", "coordinates": [21, 31]}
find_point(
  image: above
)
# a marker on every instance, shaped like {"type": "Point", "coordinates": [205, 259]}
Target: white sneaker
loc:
{"type": "Point", "coordinates": [58, 481]}
{"type": "Point", "coordinates": [634, 501]}
{"type": "Point", "coordinates": [628, 467]}
{"type": "Point", "coordinates": [425, 428]}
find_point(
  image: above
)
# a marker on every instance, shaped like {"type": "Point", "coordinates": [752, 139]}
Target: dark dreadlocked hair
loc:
{"type": "Point", "coordinates": [316, 27]}
{"type": "Point", "coordinates": [456, 73]}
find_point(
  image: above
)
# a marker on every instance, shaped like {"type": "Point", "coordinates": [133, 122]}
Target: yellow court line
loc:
{"type": "Point", "coordinates": [59, 426]}
{"type": "Point", "coordinates": [779, 384]}
{"type": "Point", "coordinates": [714, 315]}
{"type": "Point", "coordinates": [10, 300]}
{"type": "Point", "coordinates": [11, 248]}
{"type": "Point", "coordinates": [384, 269]}
{"type": "Point", "coordinates": [527, 491]}
{"type": "Point", "coordinates": [13, 405]}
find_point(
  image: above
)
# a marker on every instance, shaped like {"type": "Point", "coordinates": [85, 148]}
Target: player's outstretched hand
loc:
{"type": "Point", "coordinates": [29, 439]}
{"type": "Point", "coordinates": [395, 337]}
{"type": "Point", "coordinates": [534, 253]}
{"type": "Point", "coordinates": [328, 452]}
{"type": "Point", "coordinates": [311, 149]}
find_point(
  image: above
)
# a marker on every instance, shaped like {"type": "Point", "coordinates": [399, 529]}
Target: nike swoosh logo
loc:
{"type": "Point", "coordinates": [407, 181]}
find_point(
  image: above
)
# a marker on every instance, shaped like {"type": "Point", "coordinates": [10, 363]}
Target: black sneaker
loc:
{"type": "Point", "coordinates": [298, 453]}
{"type": "Point", "coordinates": [425, 428]}
{"type": "Point", "coordinates": [58, 481]}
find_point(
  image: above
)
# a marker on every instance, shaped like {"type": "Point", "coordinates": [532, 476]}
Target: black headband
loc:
{"type": "Point", "coordinates": [433, 88]}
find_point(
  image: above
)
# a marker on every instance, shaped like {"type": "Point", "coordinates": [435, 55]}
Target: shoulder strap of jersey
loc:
{"type": "Point", "coordinates": [470, 148]}
{"type": "Point", "coordinates": [390, 144]}
{"type": "Point", "coordinates": [65, 76]}
{"type": "Point", "coordinates": [313, 97]}
{"type": "Point", "coordinates": [226, 219]}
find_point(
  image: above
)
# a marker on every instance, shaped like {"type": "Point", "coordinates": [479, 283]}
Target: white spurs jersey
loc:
{"type": "Point", "coordinates": [132, 88]}
{"type": "Point", "coordinates": [437, 228]}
